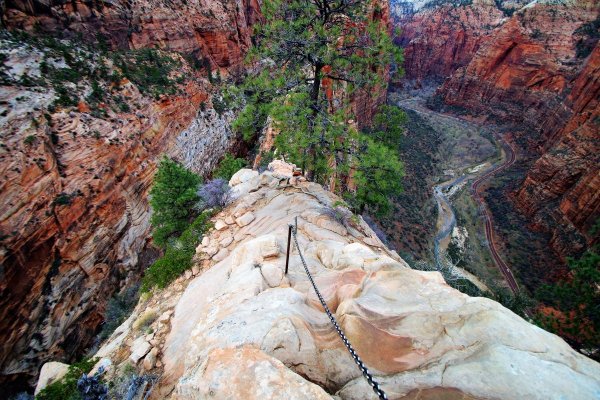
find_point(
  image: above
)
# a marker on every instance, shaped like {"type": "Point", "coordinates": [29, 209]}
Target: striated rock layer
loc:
{"type": "Point", "coordinates": [74, 223]}
{"type": "Point", "coordinates": [242, 328]}
{"type": "Point", "coordinates": [217, 30]}
{"type": "Point", "coordinates": [537, 69]}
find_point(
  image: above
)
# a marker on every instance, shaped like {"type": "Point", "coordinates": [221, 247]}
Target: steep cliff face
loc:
{"type": "Point", "coordinates": [236, 326]}
{"type": "Point", "coordinates": [532, 73]}
{"type": "Point", "coordinates": [365, 103]}
{"type": "Point", "coordinates": [567, 175]}
{"type": "Point", "coordinates": [217, 30]}
{"type": "Point", "coordinates": [438, 40]}
{"type": "Point", "coordinates": [74, 226]}
{"type": "Point", "coordinates": [535, 68]}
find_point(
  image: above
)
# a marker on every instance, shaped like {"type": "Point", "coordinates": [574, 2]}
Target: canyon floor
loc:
{"type": "Point", "coordinates": [465, 150]}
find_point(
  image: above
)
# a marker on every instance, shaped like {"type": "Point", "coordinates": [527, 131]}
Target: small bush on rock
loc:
{"type": "Point", "coordinates": [213, 194]}
{"type": "Point", "coordinates": [66, 388]}
{"type": "Point", "coordinates": [173, 196]}
{"type": "Point", "coordinates": [178, 256]}
{"type": "Point", "coordinates": [145, 320]}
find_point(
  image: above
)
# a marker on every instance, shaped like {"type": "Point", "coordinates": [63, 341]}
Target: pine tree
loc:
{"type": "Point", "coordinates": [306, 51]}
{"type": "Point", "coordinates": [172, 199]}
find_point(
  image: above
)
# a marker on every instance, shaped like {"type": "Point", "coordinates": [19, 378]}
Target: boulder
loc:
{"type": "Point", "coordinates": [248, 374]}
{"type": "Point", "coordinates": [220, 225]}
{"type": "Point", "coordinates": [226, 241]}
{"type": "Point", "coordinates": [51, 372]}
{"type": "Point", "coordinates": [150, 359]}
{"type": "Point", "coordinates": [272, 273]}
{"type": "Point", "coordinates": [220, 256]}
{"type": "Point", "coordinates": [139, 348]}
{"type": "Point", "coordinates": [269, 247]}
{"type": "Point", "coordinates": [245, 219]}
{"type": "Point", "coordinates": [243, 175]}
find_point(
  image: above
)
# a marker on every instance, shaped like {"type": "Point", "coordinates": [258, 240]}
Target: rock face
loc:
{"type": "Point", "coordinates": [535, 67]}
{"type": "Point", "coordinates": [567, 174]}
{"type": "Point", "coordinates": [74, 224]}
{"type": "Point", "coordinates": [216, 30]}
{"type": "Point", "coordinates": [365, 103]}
{"type": "Point", "coordinates": [438, 40]}
{"type": "Point", "coordinates": [237, 332]}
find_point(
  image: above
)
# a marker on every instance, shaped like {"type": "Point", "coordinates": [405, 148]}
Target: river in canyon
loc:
{"type": "Point", "coordinates": [458, 172]}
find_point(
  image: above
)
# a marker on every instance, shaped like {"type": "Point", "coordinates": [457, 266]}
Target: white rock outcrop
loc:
{"type": "Point", "coordinates": [243, 329]}
{"type": "Point", "coordinates": [51, 372]}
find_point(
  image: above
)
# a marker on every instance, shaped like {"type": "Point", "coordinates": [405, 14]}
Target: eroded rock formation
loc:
{"type": "Point", "coordinates": [74, 225]}
{"type": "Point", "coordinates": [236, 325]}
{"type": "Point", "coordinates": [217, 30]}
{"type": "Point", "coordinates": [438, 40]}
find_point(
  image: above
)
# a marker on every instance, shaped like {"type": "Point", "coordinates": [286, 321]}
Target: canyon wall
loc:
{"type": "Point", "coordinates": [534, 68]}
{"type": "Point", "coordinates": [74, 227]}
{"type": "Point", "coordinates": [365, 102]}
{"type": "Point", "coordinates": [217, 30]}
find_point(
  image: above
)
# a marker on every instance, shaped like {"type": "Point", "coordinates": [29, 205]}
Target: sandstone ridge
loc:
{"type": "Point", "coordinates": [235, 326]}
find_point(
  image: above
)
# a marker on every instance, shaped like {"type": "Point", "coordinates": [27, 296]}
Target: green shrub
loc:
{"type": "Point", "coordinates": [97, 94]}
{"type": "Point", "coordinates": [577, 301]}
{"type": "Point", "coordinates": [29, 139]}
{"type": "Point", "coordinates": [178, 256]}
{"type": "Point", "coordinates": [64, 97]}
{"type": "Point", "coordinates": [228, 166]}
{"type": "Point", "coordinates": [145, 320]}
{"type": "Point", "coordinates": [219, 105]}
{"type": "Point", "coordinates": [66, 388]}
{"type": "Point", "coordinates": [149, 69]}
{"type": "Point", "coordinates": [173, 196]}
{"type": "Point", "coordinates": [63, 199]}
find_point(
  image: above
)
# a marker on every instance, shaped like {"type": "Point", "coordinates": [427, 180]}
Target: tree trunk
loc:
{"type": "Point", "coordinates": [314, 105]}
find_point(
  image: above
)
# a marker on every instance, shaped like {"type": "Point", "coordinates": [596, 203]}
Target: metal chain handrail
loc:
{"type": "Point", "coordinates": [376, 388]}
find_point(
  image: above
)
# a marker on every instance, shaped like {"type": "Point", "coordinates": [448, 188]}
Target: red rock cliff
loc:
{"type": "Point", "coordinates": [438, 40]}
{"type": "Point", "coordinates": [218, 30]}
{"type": "Point", "coordinates": [530, 70]}
{"type": "Point", "coordinates": [74, 223]}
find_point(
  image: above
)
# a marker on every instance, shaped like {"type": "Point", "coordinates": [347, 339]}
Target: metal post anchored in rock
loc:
{"type": "Point", "coordinates": [287, 257]}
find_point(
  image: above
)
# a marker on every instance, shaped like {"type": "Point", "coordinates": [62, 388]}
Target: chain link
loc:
{"type": "Point", "coordinates": [334, 322]}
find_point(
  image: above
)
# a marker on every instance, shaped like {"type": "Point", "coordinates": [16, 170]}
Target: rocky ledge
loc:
{"type": "Point", "coordinates": [236, 326]}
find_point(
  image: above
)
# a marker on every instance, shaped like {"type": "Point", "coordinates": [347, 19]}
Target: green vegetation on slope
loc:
{"type": "Point", "coordinates": [178, 255]}
{"type": "Point", "coordinates": [81, 72]}
{"type": "Point", "coordinates": [180, 217]}
{"type": "Point", "coordinates": [411, 224]}
{"type": "Point", "coordinates": [172, 198]}
{"type": "Point", "coordinates": [228, 166]}
{"type": "Point", "coordinates": [576, 303]}
{"type": "Point", "coordinates": [66, 388]}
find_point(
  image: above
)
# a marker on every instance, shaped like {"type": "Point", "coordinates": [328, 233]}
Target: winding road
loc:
{"type": "Point", "coordinates": [489, 230]}
{"type": "Point", "coordinates": [445, 209]}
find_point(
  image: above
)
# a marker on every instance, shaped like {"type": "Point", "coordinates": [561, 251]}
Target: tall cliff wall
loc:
{"type": "Point", "coordinates": [534, 67]}
{"type": "Point", "coordinates": [75, 220]}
